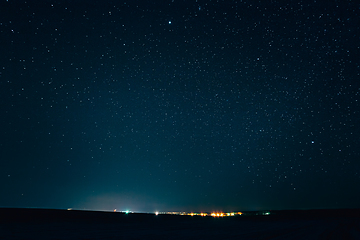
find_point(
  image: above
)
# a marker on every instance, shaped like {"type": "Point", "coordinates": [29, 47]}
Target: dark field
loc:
{"type": "Point", "coordinates": [63, 224]}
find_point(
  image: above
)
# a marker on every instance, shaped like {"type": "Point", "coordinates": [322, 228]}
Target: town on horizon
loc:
{"type": "Point", "coordinates": [202, 214]}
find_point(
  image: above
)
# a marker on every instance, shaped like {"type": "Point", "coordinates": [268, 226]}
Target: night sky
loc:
{"type": "Point", "coordinates": [180, 105]}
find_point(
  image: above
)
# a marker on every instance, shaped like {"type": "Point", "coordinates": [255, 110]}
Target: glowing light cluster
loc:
{"type": "Point", "coordinates": [221, 214]}
{"type": "Point", "coordinates": [197, 214]}
{"type": "Point", "coordinates": [203, 214]}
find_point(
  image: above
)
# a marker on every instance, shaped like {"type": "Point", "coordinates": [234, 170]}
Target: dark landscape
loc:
{"type": "Point", "coordinates": [63, 224]}
{"type": "Point", "coordinates": [172, 114]}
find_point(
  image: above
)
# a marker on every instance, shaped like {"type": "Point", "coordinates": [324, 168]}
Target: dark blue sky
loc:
{"type": "Point", "coordinates": [180, 105]}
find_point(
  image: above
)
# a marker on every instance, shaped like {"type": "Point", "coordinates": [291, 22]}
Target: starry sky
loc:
{"type": "Point", "coordinates": [180, 105]}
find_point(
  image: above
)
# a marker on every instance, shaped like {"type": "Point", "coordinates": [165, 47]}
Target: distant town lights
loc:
{"type": "Point", "coordinates": [202, 214]}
